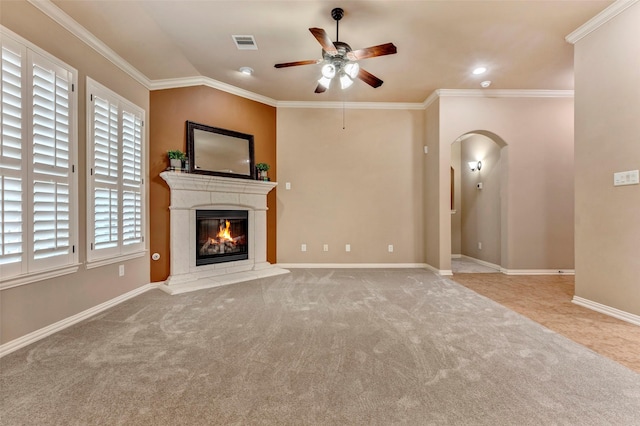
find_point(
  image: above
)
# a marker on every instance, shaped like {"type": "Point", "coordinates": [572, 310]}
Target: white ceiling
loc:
{"type": "Point", "coordinates": [439, 42]}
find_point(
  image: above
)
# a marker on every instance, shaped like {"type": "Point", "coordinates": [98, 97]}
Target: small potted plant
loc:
{"type": "Point", "coordinates": [176, 157]}
{"type": "Point", "coordinates": [262, 169]}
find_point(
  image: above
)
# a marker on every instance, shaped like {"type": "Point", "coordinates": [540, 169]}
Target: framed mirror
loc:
{"type": "Point", "coordinates": [221, 152]}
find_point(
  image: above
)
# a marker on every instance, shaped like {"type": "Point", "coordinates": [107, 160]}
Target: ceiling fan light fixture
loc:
{"type": "Point", "coordinates": [324, 82]}
{"type": "Point", "coordinates": [345, 81]}
{"type": "Point", "coordinates": [352, 69]}
{"type": "Point", "coordinates": [328, 71]}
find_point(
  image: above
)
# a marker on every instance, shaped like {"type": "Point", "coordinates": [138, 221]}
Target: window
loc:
{"type": "Point", "coordinates": [115, 183]}
{"type": "Point", "coordinates": [38, 196]}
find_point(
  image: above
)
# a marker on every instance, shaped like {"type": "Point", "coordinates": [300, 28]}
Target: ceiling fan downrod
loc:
{"type": "Point", "coordinates": [337, 15]}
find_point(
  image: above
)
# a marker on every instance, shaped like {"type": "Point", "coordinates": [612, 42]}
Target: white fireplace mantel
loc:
{"type": "Point", "coordinates": [191, 192]}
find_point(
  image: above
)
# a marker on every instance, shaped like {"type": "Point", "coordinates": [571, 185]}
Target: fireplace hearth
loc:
{"type": "Point", "coordinates": [221, 236]}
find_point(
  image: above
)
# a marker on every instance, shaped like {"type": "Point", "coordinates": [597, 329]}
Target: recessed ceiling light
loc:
{"type": "Point", "coordinates": [246, 70]}
{"type": "Point", "coordinates": [485, 84]}
{"type": "Point", "coordinates": [479, 70]}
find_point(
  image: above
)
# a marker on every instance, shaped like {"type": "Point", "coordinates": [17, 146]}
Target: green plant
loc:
{"type": "Point", "coordinates": [176, 154]}
{"type": "Point", "coordinates": [263, 167]}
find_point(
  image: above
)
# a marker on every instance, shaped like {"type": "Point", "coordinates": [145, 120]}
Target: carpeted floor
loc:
{"type": "Point", "coordinates": [315, 347]}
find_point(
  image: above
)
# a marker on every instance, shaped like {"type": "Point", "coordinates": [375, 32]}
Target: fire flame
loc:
{"type": "Point", "coordinates": [224, 233]}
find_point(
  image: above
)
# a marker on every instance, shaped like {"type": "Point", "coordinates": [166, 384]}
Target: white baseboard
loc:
{"type": "Point", "coordinates": [538, 271]}
{"type": "Point", "coordinates": [517, 271]}
{"type": "Point", "coordinates": [445, 272]}
{"type": "Point", "coordinates": [34, 336]}
{"type": "Point", "coordinates": [352, 265]}
{"type": "Point", "coordinates": [482, 262]}
{"type": "Point", "coordinates": [607, 310]}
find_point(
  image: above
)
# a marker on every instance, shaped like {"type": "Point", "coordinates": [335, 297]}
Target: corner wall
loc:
{"type": "Point", "coordinates": [170, 110]}
{"type": "Point", "coordinates": [607, 69]}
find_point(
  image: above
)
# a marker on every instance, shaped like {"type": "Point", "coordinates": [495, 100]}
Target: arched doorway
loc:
{"type": "Point", "coordinates": [478, 231]}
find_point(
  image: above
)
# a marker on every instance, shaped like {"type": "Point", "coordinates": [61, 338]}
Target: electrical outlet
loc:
{"type": "Point", "coordinates": [287, 185]}
{"type": "Point", "coordinates": [347, 247]}
{"type": "Point", "coordinates": [303, 247]}
{"type": "Point", "coordinates": [479, 246]}
{"type": "Point", "coordinates": [325, 247]}
{"type": "Point", "coordinates": [121, 270]}
{"type": "Point", "coordinates": [390, 248]}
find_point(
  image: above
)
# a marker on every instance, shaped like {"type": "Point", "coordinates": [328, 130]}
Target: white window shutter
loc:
{"type": "Point", "coordinates": [116, 185]}
{"type": "Point", "coordinates": [51, 163]}
{"type": "Point", "coordinates": [132, 179]}
{"type": "Point", "coordinates": [11, 159]}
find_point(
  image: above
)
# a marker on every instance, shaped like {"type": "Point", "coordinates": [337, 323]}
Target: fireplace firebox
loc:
{"type": "Point", "coordinates": [221, 236]}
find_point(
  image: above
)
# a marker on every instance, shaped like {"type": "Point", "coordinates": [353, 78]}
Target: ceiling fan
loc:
{"type": "Point", "coordinates": [339, 60]}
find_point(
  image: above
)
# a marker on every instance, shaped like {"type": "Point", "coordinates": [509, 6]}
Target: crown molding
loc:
{"type": "Point", "coordinates": [349, 105]}
{"type": "Point", "coordinates": [507, 93]}
{"type": "Point", "coordinates": [431, 99]}
{"type": "Point", "coordinates": [68, 23]}
{"type": "Point", "coordinates": [174, 83]}
{"type": "Point", "coordinates": [600, 19]}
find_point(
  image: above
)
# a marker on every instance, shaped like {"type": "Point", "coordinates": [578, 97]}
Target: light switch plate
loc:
{"type": "Point", "coordinates": [631, 177]}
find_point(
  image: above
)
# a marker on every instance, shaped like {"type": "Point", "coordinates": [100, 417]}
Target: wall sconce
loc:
{"type": "Point", "coordinates": [475, 165]}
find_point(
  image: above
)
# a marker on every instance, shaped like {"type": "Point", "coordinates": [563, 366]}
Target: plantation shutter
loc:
{"type": "Point", "coordinates": [105, 173]}
{"type": "Point", "coordinates": [38, 197]}
{"type": "Point", "coordinates": [131, 178]}
{"type": "Point", "coordinates": [116, 185]}
{"type": "Point", "coordinates": [51, 162]}
{"type": "Point", "coordinates": [11, 159]}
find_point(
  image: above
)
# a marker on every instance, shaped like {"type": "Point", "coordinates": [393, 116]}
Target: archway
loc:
{"type": "Point", "coordinates": [478, 228]}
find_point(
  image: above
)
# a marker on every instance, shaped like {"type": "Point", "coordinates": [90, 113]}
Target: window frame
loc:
{"type": "Point", "coordinates": [97, 257]}
{"type": "Point", "coordinates": [30, 269]}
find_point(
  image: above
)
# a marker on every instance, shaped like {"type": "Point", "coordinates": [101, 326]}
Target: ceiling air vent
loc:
{"type": "Point", "coordinates": [245, 42]}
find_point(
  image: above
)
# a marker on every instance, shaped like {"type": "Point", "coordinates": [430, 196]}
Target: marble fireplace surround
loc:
{"type": "Point", "coordinates": [191, 192]}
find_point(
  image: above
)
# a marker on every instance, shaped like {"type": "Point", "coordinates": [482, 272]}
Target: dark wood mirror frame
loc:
{"type": "Point", "coordinates": [220, 152]}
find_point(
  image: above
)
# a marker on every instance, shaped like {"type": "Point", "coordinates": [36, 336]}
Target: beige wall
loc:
{"type": "Point", "coordinates": [480, 208]}
{"type": "Point", "coordinates": [30, 307]}
{"type": "Point", "coordinates": [607, 69]}
{"type": "Point", "coordinates": [456, 220]}
{"type": "Point", "coordinates": [538, 211]}
{"type": "Point", "coordinates": [361, 185]}
{"type": "Point", "coordinates": [437, 213]}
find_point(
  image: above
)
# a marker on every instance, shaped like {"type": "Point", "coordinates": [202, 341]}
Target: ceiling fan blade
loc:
{"type": "Point", "coordinates": [320, 89]}
{"type": "Point", "coordinates": [324, 40]}
{"type": "Point", "coordinates": [369, 78]}
{"type": "Point", "coordinates": [295, 64]}
{"type": "Point", "coordinates": [373, 51]}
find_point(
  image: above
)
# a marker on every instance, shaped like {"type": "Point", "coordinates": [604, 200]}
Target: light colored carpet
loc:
{"type": "Point", "coordinates": [316, 347]}
{"type": "Point", "coordinates": [463, 265]}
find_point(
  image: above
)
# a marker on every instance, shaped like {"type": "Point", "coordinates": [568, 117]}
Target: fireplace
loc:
{"type": "Point", "coordinates": [193, 193]}
{"type": "Point", "coordinates": [221, 236]}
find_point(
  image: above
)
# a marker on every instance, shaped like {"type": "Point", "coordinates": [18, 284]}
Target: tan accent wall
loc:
{"type": "Point", "coordinates": [170, 109]}
{"type": "Point", "coordinates": [538, 212]}
{"type": "Point", "coordinates": [361, 185]}
{"type": "Point", "coordinates": [607, 69]}
{"type": "Point", "coordinates": [30, 307]}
